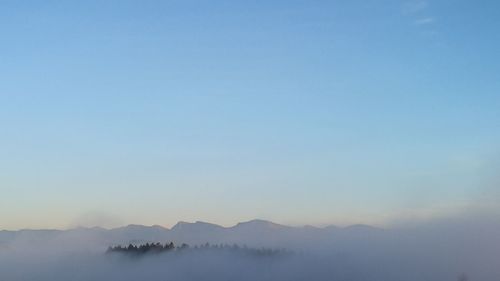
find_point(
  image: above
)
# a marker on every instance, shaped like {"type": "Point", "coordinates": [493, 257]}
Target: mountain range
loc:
{"type": "Point", "coordinates": [255, 233]}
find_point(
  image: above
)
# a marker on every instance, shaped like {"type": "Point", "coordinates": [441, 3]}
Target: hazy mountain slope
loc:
{"type": "Point", "coordinates": [256, 233]}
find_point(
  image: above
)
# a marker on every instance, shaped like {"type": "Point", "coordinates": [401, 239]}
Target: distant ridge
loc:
{"type": "Point", "coordinates": [197, 224]}
{"type": "Point", "coordinates": [255, 222]}
{"type": "Point", "coordinates": [259, 223]}
{"type": "Point", "coordinates": [256, 233]}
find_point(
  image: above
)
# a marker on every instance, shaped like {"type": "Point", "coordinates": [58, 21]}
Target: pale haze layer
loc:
{"type": "Point", "coordinates": [300, 112]}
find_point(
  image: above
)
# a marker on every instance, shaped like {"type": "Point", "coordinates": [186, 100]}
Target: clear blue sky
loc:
{"type": "Point", "coordinates": [301, 112]}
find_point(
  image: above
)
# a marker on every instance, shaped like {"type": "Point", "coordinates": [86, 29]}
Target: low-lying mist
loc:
{"type": "Point", "coordinates": [448, 249]}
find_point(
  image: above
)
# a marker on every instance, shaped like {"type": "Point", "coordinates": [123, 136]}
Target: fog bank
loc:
{"type": "Point", "coordinates": [434, 251]}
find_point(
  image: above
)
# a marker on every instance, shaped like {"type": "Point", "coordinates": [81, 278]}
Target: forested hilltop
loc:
{"type": "Point", "coordinates": [158, 248]}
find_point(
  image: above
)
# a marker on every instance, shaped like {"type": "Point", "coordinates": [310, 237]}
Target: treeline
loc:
{"type": "Point", "coordinates": [156, 248]}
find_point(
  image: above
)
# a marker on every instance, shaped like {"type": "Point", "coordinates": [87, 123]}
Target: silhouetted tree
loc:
{"type": "Point", "coordinates": [138, 250]}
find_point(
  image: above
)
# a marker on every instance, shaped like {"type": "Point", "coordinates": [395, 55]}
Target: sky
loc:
{"type": "Point", "coordinates": [300, 112]}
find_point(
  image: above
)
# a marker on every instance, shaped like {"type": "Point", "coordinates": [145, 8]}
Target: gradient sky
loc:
{"type": "Point", "coordinates": [301, 112]}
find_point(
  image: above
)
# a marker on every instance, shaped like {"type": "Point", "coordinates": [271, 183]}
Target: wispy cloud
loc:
{"type": "Point", "coordinates": [412, 7]}
{"type": "Point", "coordinates": [424, 21]}
{"type": "Point", "coordinates": [419, 14]}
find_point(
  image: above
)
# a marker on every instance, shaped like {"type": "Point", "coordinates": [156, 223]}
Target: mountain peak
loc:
{"type": "Point", "coordinates": [331, 227]}
{"type": "Point", "coordinates": [196, 224]}
{"type": "Point", "coordinates": [135, 226]}
{"type": "Point", "coordinates": [362, 227]}
{"type": "Point", "coordinates": [259, 223]}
